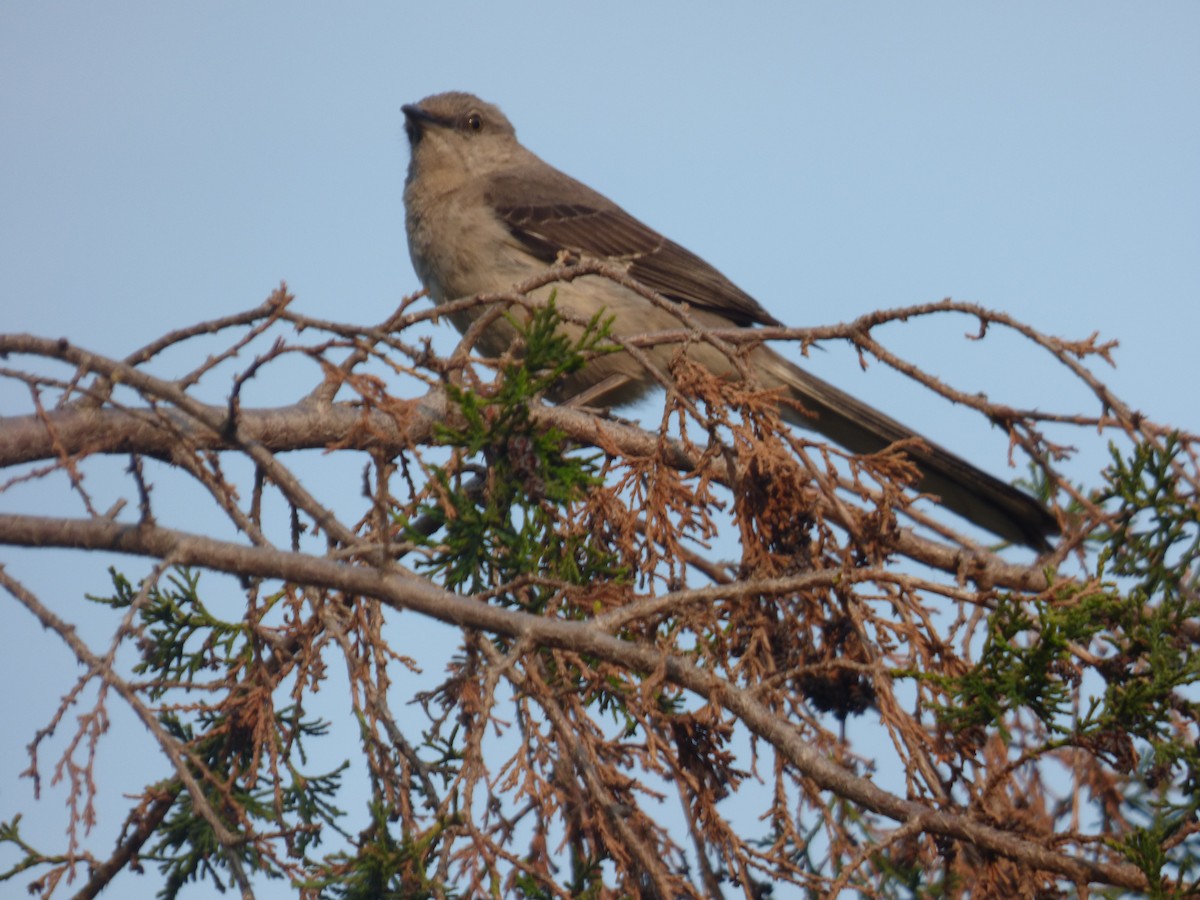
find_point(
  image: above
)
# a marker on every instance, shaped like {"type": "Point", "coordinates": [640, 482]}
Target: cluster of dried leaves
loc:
{"type": "Point", "coordinates": [625, 713]}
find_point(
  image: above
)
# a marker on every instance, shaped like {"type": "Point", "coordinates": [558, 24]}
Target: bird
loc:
{"type": "Point", "coordinates": [483, 213]}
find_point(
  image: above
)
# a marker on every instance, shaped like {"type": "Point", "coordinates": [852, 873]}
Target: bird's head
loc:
{"type": "Point", "coordinates": [455, 136]}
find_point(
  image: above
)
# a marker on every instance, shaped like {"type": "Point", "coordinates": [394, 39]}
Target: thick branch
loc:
{"type": "Point", "coordinates": [80, 430]}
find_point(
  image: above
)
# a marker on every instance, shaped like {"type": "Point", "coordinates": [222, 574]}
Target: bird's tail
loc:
{"type": "Point", "coordinates": [962, 488]}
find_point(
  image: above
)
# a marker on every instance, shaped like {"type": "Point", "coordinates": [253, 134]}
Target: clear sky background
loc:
{"type": "Point", "coordinates": [165, 163]}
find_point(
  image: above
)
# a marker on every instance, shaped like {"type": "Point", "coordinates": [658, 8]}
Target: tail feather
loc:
{"type": "Point", "coordinates": [964, 489]}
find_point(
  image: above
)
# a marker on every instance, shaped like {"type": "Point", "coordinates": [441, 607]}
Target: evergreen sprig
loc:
{"type": "Point", "coordinates": [516, 532]}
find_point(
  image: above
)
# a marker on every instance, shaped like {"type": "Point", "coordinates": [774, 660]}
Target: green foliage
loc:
{"type": "Point", "coordinates": [1161, 554]}
{"type": "Point", "coordinates": [1140, 620]}
{"type": "Point", "coordinates": [183, 639]}
{"type": "Point", "coordinates": [1032, 672]}
{"type": "Point", "coordinates": [385, 868]}
{"type": "Point", "coordinates": [519, 524]}
{"type": "Point", "coordinates": [586, 882]}
{"type": "Point", "coordinates": [229, 746]}
{"type": "Point", "coordinates": [1155, 549]}
{"type": "Point", "coordinates": [29, 857]}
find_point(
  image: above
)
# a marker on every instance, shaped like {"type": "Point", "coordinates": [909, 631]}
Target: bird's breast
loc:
{"type": "Point", "coordinates": [459, 249]}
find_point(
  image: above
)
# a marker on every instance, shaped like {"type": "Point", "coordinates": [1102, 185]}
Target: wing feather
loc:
{"type": "Point", "coordinates": [597, 228]}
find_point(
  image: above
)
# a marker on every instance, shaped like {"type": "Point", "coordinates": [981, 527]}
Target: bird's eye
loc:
{"type": "Point", "coordinates": [474, 121]}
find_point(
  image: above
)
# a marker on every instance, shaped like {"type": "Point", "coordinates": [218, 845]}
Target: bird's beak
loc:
{"type": "Point", "coordinates": [416, 120]}
{"type": "Point", "coordinates": [412, 111]}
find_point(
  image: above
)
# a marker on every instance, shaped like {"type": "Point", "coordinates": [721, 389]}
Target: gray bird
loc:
{"type": "Point", "coordinates": [484, 213]}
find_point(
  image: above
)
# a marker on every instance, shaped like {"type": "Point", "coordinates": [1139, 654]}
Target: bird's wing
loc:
{"type": "Point", "coordinates": [590, 225]}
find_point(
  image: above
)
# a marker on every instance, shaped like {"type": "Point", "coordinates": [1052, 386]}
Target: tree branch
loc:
{"type": "Point", "coordinates": [402, 590]}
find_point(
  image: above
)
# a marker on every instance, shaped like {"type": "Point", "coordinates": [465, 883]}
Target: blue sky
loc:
{"type": "Point", "coordinates": [164, 163]}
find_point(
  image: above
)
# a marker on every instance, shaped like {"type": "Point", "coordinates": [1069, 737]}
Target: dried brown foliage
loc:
{"type": "Point", "coordinates": [668, 724]}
